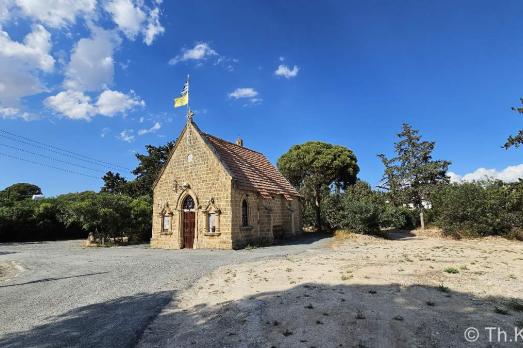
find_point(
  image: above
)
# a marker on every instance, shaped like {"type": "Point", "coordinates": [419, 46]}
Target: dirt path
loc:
{"type": "Point", "coordinates": [69, 296]}
{"type": "Point", "coordinates": [361, 291]}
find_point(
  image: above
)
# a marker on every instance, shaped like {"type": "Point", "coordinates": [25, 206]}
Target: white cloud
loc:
{"type": "Point", "coordinates": [5, 9]}
{"type": "Point", "coordinates": [34, 51]}
{"type": "Point", "coordinates": [153, 129]}
{"type": "Point", "coordinates": [91, 66]}
{"type": "Point", "coordinates": [200, 51]}
{"type": "Point", "coordinates": [133, 17]}
{"type": "Point", "coordinates": [127, 135]}
{"type": "Point", "coordinates": [508, 174]}
{"type": "Point", "coordinates": [73, 104]}
{"type": "Point", "coordinates": [105, 131]}
{"type": "Point", "coordinates": [127, 16]}
{"type": "Point", "coordinates": [285, 71]}
{"type": "Point", "coordinates": [154, 28]}
{"type": "Point", "coordinates": [78, 106]}
{"type": "Point", "coordinates": [20, 64]}
{"type": "Point", "coordinates": [14, 113]}
{"type": "Point", "coordinates": [112, 102]}
{"type": "Point", "coordinates": [56, 13]}
{"type": "Point", "coordinates": [245, 92]}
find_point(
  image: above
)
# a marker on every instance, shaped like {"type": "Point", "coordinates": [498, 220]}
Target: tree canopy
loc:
{"type": "Point", "coordinates": [412, 174]}
{"type": "Point", "coordinates": [149, 166]}
{"type": "Point", "coordinates": [20, 191]}
{"type": "Point", "coordinates": [315, 166]}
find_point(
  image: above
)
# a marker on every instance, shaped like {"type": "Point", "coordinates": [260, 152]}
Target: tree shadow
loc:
{"type": "Point", "coordinates": [396, 234]}
{"type": "Point", "coordinates": [7, 252]}
{"type": "Point", "coordinates": [304, 238]}
{"type": "Point", "coordinates": [116, 323]}
{"type": "Point", "coordinates": [323, 315]}
{"type": "Point", "coordinates": [52, 279]}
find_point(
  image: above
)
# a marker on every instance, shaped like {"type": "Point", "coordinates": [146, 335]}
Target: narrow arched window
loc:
{"type": "Point", "coordinates": [188, 203]}
{"type": "Point", "coordinates": [245, 213]}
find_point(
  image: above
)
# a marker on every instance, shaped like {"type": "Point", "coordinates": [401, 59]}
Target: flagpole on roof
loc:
{"type": "Point", "coordinates": [188, 107]}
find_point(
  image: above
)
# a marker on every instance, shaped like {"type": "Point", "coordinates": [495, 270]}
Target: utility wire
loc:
{"type": "Point", "coordinates": [47, 165]}
{"type": "Point", "coordinates": [56, 149]}
{"type": "Point", "coordinates": [51, 158]}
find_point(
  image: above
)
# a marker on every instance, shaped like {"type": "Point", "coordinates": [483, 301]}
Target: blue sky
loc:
{"type": "Point", "coordinates": [98, 78]}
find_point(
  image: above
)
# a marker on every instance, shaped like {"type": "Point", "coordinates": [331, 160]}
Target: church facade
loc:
{"type": "Point", "coordinates": [221, 195]}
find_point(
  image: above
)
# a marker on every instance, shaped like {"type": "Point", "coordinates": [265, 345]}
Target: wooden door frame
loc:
{"type": "Point", "coordinates": [181, 199]}
{"type": "Point", "coordinates": [183, 227]}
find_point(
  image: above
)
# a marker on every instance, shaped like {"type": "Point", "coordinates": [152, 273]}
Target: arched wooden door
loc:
{"type": "Point", "coordinates": [189, 222]}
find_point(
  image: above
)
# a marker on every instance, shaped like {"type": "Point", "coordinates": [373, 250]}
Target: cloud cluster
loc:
{"type": "Point", "coordinates": [246, 93]}
{"type": "Point", "coordinates": [90, 68]}
{"type": "Point", "coordinates": [21, 63]}
{"type": "Point", "coordinates": [56, 13]}
{"type": "Point", "coordinates": [201, 52]}
{"type": "Point", "coordinates": [128, 135]}
{"type": "Point", "coordinates": [78, 106]}
{"type": "Point", "coordinates": [284, 71]}
{"type": "Point", "coordinates": [133, 18]}
{"type": "Point", "coordinates": [508, 174]}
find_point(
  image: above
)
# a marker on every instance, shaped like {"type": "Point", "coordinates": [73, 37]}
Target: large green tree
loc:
{"type": "Point", "coordinates": [412, 174]}
{"type": "Point", "coordinates": [315, 167]}
{"type": "Point", "coordinates": [149, 166]}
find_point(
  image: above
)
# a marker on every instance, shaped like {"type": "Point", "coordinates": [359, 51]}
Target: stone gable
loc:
{"type": "Point", "coordinates": [196, 169]}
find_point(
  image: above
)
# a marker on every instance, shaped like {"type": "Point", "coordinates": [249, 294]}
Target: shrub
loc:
{"type": "Point", "coordinates": [479, 209]}
{"type": "Point", "coordinates": [361, 208]}
{"type": "Point", "coordinates": [397, 217]}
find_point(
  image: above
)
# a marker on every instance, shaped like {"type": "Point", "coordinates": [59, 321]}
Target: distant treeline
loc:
{"type": "Point", "coordinates": [477, 209]}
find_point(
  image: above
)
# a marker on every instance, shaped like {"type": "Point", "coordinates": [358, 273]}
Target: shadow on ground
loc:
{"type": "Point", "coordinates": [305, 238]}
{"type": "Point", "coordinates": [95, 325]}
{"type": "Point", "coordinates": [52, 279]}
{"type": "Point", "coordinates": [319, 315]}
{"type": "Point", "coordinates": [400, 234]}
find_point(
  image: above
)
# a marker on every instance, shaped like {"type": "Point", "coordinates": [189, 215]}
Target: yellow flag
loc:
{"type": "Point", "coordinates": [181, 101]}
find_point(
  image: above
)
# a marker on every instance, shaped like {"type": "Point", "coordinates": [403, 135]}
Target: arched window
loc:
{"type": "Point", "coordinates": [245, 213]}
{"type": "Point", "coordinates": [188, 203]}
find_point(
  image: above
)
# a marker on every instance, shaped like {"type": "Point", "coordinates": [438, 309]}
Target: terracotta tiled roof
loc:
{"type": "Point", "coordinates": [251, 169]}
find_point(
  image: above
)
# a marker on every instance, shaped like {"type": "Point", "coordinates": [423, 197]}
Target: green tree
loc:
{"type": "Point", "coordinates": [20, 191]}
{"type": "Point", "coordinates": [149, 167]}
{"type": "Point", "coordinates": [515, 140]}
{"type": "Point", "coordinates": [315, 166]}
{"type": "Point", "coordinates": [412, 174]}
{"type": "Point", "coordinates": [114, 183]}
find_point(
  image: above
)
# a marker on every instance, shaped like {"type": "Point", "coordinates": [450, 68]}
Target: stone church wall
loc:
{"type": "Point", "coordinates": [194, 164]}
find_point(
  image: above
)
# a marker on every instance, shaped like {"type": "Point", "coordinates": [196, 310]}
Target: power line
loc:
{"type": "Point", "coordinates": [56, 149]}
{"type": "Point", "coordinates": [47, 165]}
{"type": "Point", "coordinates": [51, 158]}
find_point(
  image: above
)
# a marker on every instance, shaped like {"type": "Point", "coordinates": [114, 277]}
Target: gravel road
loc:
{"type": "Point", "coordinates": [64, 295]}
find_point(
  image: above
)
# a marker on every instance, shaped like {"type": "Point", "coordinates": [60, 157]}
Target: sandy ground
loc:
{"type": "Point", "coordinates": [59, 294]}
{"type": "Point", "coordinates": [414, 290]}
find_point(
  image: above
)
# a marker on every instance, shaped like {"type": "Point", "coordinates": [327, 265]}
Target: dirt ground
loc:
{"type": "Point", "coordinates": [414, 289]}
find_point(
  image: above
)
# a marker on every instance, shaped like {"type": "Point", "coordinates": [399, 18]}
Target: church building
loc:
{"type": "Point", "coordinates": [216, 194]}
